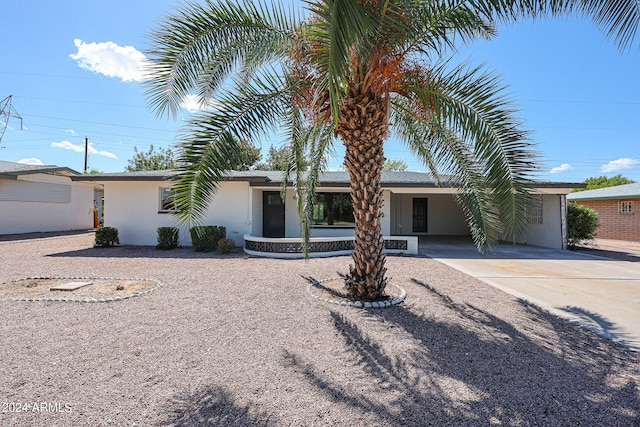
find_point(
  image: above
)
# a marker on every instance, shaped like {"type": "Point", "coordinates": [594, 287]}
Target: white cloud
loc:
{"type": "Point", "coordinates": [107, 154]}
{"type": "Point", "coordinates": [72, 132]}
{"type": "Point", "coordinates": [562, 168]}
{"type": "Point", "coordinates": [620, 164]}
{"type": "Point", "coordinates": [66, 145]}
{"type": "Point", "coordinates": [192, 104]}
{"type": "Point", "coordinates": [110, 59]}
{"type": "Point", "coordinates": [31, 161]}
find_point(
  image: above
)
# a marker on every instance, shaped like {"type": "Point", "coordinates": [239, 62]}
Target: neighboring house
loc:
{"type": "Point", "coordinates": [617, 209]}
{"type": "Point", "coordinates": [38, 198]}
{"type": "Point", "coordinates": [249, 205]}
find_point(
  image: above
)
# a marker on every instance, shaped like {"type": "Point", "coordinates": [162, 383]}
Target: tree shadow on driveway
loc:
{"type": "Point", "coordinates": [452, 363]}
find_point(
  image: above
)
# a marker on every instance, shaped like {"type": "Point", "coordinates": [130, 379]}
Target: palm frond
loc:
{"type": "Point", "coordinates": [200, 45]}
{"type": "Point", "coordinates": [617, 19]}
{"type": "Point", "coordinates": [471, 103]}
{"type": "Point", "coordinates": [451, 162]}
{"type": "Point", "coordinates": [318, 140]}
{"type": "Point", "coordinates": [341, 25]}
{"type": "Point", "coordinates": [210, 141]}
{"type": "Point", "coordinates": [439, 24]}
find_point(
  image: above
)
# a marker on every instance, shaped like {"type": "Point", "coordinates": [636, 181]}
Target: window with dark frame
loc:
{"type": "Point", "coordinates": [333, 210]}
{"type": "Point", "coordinates": [167, 200]}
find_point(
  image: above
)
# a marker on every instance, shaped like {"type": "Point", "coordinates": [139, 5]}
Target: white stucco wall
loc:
{"type": "Point", "coordinates": [549, 233]}
{"type": "Point", "coordinates": [41, 203]}
{"type": "Point", "coordinates": [256, 212]}
{"type": "Point", "coordinates": [133, 208]}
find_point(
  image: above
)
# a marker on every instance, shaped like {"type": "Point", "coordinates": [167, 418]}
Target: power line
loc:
{"type": "Point", "coordinates": [101, 123]}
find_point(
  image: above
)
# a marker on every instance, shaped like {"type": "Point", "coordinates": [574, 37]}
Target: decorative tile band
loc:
{"type": "Point", "coordinates": [331, 246]}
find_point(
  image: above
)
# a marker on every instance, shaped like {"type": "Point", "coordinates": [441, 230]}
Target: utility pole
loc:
{"type": "Point", "coordinates": [86, 153]}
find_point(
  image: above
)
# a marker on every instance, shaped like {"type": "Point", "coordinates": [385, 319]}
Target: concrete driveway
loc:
{"type": "Point", "coordinates": [601, 294]}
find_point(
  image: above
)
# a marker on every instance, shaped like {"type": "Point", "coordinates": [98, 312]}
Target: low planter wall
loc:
{"type": "Point", "coordinates": [321, 246]}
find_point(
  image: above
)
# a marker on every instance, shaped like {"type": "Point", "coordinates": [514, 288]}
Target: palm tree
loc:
{"type": "Point", "coordinates": [357, 70]}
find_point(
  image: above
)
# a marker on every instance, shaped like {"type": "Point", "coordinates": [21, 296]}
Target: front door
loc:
{"type": "Point", "coordinates": [272, 214]}
{"type": "Point", "coordinates": [420, 215]}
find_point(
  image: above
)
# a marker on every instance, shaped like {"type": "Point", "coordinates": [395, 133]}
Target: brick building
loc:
{"type": "Point", "coordinates": [618, 210]}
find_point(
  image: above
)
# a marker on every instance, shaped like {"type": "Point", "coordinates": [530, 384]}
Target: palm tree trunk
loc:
{"type": "Point", "coordinates": [363, 127]}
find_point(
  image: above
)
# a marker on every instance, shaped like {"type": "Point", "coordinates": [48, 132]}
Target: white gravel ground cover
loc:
{"type": "Point", "coordinates": [240, 342]}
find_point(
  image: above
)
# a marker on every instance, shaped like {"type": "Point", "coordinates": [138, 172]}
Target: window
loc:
{"type": "Point", "coordinates": [535, 210]}
{"type": "Point", "coordinates": [626, 207]}
{"type": "Point", "coordinates": [333, 209]}
{"type": "Point", "coordinates": [167, 200]}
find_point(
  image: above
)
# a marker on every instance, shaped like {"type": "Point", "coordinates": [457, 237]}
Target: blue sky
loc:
{"type": "Point", "coordinates": [72, 68]}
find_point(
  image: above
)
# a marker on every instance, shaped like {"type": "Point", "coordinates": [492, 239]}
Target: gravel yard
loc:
{"type": "Point", "coordinates": [240, 342]}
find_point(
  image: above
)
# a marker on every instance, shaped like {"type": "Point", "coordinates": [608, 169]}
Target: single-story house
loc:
{"type": "Point", "coordinates": [250, 206]}
{"type": "Point", "coordinates": [616, 207]}
{"type": "Point", "coordinates": [40, 198]}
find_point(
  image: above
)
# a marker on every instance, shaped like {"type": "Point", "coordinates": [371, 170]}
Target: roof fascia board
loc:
{"type": "Point", "coordinates": [619, 197]}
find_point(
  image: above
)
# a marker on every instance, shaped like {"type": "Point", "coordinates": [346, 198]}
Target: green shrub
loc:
{"type": "Point", "coordinates": [106, 236]}
{"type": "Point", "coordinates": [582, 224]}
{"type": "Point", "coordinates": [204, 238]}
{"type": "Point", "coordinates": [226, 245]}
{"type": "Point", "coordinates": [167, 237]}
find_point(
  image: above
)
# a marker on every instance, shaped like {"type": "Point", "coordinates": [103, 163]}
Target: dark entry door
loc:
{"type": "Point", "coordinates": [419, 215]}
{"type": "Point", "coordinates": [272, 214]}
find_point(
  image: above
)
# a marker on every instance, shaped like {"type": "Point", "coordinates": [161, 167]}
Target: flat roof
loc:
{"type": "Point", "coordinates": [11, 170]}
{"type": "Point", "coordinates": [327, 178]}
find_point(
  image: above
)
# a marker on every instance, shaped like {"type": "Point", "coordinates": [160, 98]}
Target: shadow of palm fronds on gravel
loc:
{"type": "Point", "coordinates": [213, 406]}
{"type": "Point", "coordinates": [329, 290]}
{"type": "Point", "coordinates": [468, 366]}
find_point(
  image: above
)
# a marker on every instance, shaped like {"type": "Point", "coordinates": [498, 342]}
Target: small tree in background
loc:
{"type": "Point", "coordinates": [582, 224]}
{"type": "Point", "coordinates": [248, 156]}
{"type": "Point", "coordinates": [602, 182]}
{"type": "Point", "coordinates": [278, 159]}
{"type": "Point", "coordinates": [396, 165]}
{"type": "Point", "coordinates": [152, 160]}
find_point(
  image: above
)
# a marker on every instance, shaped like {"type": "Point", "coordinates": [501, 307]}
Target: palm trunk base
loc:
{"type": "Point", "coordinates": [366, 288]}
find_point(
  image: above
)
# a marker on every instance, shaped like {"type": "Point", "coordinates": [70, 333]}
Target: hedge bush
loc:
{"type": "Point", "coordinates": [167, 237]}
{"type": "Point", "coordinates": [106, 237]}
{"type": "Point", "coordinates": [226, 245]}
{"type": "Point", "coordinates": [204, 238]}
{"type": "Point", "coordinates": [582, 224]}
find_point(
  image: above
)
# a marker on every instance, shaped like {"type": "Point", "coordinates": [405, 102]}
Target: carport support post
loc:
{"type": "Point", "coordinates": [563, 220]}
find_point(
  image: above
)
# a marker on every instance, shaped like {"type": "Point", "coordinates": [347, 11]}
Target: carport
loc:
{"type": "Point", "coordinates": [601, 294]}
